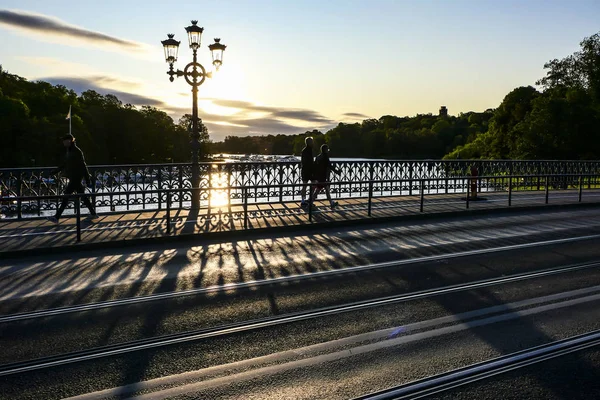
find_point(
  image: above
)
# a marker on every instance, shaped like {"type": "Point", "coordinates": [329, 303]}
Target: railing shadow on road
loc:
{"type": "Point", "coordinates": [83, 272]}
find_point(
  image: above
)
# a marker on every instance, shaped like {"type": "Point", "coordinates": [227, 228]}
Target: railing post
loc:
{"type": "Point", "coordinates": [169, 211]}
{"type": "Point", "coordinates": [93, 189]}
{"type": "Point", "coordinates": [371, 172]}
{"type": "Point", "coordinates": [39, 187]}
{"type": "Point", "coordinates": [410, 180]}
{"type": "Point", "coordinates": [19, 201]}
{"type": "Point", "coordinates": [245, 195]}
{"type": "Point", "coordinates": [580, 187]}
{"type": "Point", "coordinates": [510, 190]}
{"type": "Point", "coordinates": [111, 198]}
{"type": "Point", "coordinates": [422, 194]}
{"type": "Point", "coordinates": [229, 184]}
{"type": "Point", "coordinates": [180, 178]}
{"type": "Point", "coordinates": [370, 198]}
{"type": "Point", "coordinates": [196, 191]}
{"type": "Point", "coordinates": [78, 217]}
{"type": "Point", "coordinates": [547, 188]}
{"type": "Point", "coordinates": [210, 188]}
{"type": "Point", "coordinates": [159, 179]}
{"type": "Point", "coordinates": [311, 200]}
{"type": "Point", "coordinates": [281, 183]}
{"type": "Point", "coordinates": [468, 195]}
{"type": "Point", "coordinates": [127, 183]}
{"type": "Point", "coordinates": [446, 168]}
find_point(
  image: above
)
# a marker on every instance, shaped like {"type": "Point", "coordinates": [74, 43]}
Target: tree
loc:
{"type": "Point", "coordinates": [15, 127]}
{"type": "Point", "coordinates": [514, 108]}
{"type": "Point", "coordinates": [581, 70]}
{"type": "Point", "coordinates": [562, 125]}
{"type": "Point", "coordinates": [185, 123]}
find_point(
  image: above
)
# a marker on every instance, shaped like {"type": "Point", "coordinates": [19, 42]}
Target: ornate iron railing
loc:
{"type": "Point", "coordinates": [138, 187]}
{"type": "Point", "coordinates": [241, 214]}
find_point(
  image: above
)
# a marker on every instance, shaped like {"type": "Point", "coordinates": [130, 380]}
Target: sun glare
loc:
{"type": "Point", "coordinates": [219, 197]}
{"type": "Point", "coordinates": [208, 107]}
{"type": "Point", "coordinates": [228, 83]}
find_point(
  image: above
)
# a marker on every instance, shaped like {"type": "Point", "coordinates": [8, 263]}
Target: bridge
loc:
{"type": "Point", "coordinates": [415, 285]}
{"type": "Point", "coordinates": [153, 201]}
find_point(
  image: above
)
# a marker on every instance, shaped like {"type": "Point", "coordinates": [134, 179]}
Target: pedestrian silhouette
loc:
{"type": "Point", "coordinates": [321, 174]}
{"type": "Point", "coordinates": [75, 169]}
{"type": "Point", "coordinates": [306, 168]}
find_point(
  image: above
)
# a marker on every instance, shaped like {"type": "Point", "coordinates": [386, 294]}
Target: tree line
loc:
{"type": "Point", "coordinates": [33, 119]}
{"type": "Point", "coordinates": [560, 120]}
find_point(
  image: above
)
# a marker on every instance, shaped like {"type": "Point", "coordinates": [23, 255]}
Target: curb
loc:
{"type": "Point", "coordinates": [267, 232]}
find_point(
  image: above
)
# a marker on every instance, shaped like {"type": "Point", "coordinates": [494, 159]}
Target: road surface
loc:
{"type": "Point", "coordinates": [333, 314]}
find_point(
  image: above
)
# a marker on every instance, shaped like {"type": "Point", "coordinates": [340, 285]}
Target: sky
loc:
{"type": "Point", "coordinates": [296, 66]}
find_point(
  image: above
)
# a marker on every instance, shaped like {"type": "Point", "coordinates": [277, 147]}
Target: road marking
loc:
{"type": "Point", "coordinates": [384, 338]}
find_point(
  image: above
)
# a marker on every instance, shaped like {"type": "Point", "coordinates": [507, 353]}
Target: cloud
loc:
{"type": "Point", "coordinates": [94, 82]}
{"type": "Point", "coordinates": [220, 126]}
{"type": "Point", "coordinates": [275, 112]}
{"type": "Point", "coordinates": [272, 120]}
{"type": "Point", "coordinates": [238, 104]}
{"type": "Point", "coordinates": [244, 122]}
{"type": "Point", "coordinates": [355, 115]}
{"type": "Point", "coordinates": [303, 115]}
{"type": "Point", "coordinates": [55, 67]}
{"type": "Point", "coordinates": [38, 23]}
{"type": "Point", "coordinates": [81, 84]}
{"type": "Point", "coordinates": [110, 80]}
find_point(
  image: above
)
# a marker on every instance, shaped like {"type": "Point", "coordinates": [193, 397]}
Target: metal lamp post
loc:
{"type": "Point", "coordinates": [195, 75]}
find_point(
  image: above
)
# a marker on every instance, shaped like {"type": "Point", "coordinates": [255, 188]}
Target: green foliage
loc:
{"type": "Point", "coordinates": [581, 70]}
{"type": "Point", "coordinates": [33, 119]}
{"type": "Point", "coordinates": [423, 136]}
{"type": "Point", "coordinates": [561, 122]}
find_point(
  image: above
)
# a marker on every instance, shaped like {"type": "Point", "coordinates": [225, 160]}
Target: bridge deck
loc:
{"type": "Point", "coordinates": [38, 233]}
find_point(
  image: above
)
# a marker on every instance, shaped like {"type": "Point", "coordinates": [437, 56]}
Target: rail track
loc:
{"type": "Point", "coordinates": [252, 325]}
{"type": "Point", "coordinates": [450, 380]}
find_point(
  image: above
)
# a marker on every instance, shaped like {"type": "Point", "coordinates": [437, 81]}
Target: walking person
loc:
{"type": "Point", "coordinates": [306, 169]}
{"type": "Point", "coordinates": [75, 169]}
{"type": "Point", "coordinates": [322, 171]}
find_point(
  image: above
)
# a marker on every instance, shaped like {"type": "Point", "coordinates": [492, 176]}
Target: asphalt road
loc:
{"type": "Point", "coordinates": [335, 356]}
{"type": "Point", "coordinates": [575, 376]}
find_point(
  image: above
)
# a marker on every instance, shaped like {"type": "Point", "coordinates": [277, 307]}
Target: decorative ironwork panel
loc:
{"type": "Point", "coordinates": [121, 188]}
{"type": "Point", "coordinates": [350, 172]}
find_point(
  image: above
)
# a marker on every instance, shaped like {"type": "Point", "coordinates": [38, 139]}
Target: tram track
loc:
{"type": "Point", "coordinates": [318, 355]}
{"type": "Point", "coordinates": [453, 379]}
{"type": "Point", "coordinates": [216, 289]}
{"type": "Point", "coordinates": [272, 321]}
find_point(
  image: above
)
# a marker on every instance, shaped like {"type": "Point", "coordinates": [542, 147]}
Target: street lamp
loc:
{"type": "Point", "coordinates": [195, 75]}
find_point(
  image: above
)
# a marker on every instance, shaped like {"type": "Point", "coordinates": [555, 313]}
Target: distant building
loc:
{"type": "Point", "coordinates": [443, 111]}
